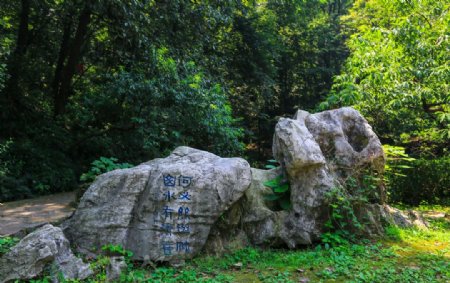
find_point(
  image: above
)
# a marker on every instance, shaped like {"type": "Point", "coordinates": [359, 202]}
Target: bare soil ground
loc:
{"type": "Point", "coordinates": [24, 214]}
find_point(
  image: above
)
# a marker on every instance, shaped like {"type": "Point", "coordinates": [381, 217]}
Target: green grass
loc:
{"type": "Point", "coordinates": [403, 255]}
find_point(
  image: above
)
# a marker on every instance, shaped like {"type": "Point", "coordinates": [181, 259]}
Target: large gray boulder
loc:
{"type": "Point", "coordinates": [320, 152]}
{"type": "Point", "coordinates": [45, 247]}
{"type": "Point", "coordinates": [161, 210]}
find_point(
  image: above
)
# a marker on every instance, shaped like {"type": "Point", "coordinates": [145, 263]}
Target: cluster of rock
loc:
{"type": "Point", "coordinates": [46, 247]}
{"type": "Point", "coordinates": [172, 208]}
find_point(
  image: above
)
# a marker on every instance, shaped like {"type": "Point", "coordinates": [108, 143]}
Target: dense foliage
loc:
{"type": "Point", "coordinates": [398, 76]}
{"type": "Point", "coordinates": [398, 73]}
{"type": "Point", "coordinates": [426, 181]}
{"type": "Point", "coordinates": [134, 79]}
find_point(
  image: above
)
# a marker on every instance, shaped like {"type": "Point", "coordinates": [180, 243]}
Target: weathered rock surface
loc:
{"type": "Point", "coordinates": [320, 152]}
{"type": "Point", "coordinates": [115, 267]}
{"type": "Point", "coordinates": [248, 221]}
{"type": "Point", "coordinates": [161, 210]}
{"type": "Point", "coordinates": [377, 216]}
{"type": "Point", "coordinates": [43, 247]}
{"type": "Point", "coordinates": [317, 153]}
{"type": "Point", "coordinates": [263, 225]}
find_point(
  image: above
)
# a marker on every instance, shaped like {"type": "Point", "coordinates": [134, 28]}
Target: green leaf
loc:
{"type": "Point", "coordinates": [281, 189]}
{"type": "Point", "coordinates": [272, 197]}
{"type": "Point", "coordinates": [269, 166]}
{"type": "Point", "coordinates": [285, 204]}
{"type": "Point", "coordinates": [273, 183]}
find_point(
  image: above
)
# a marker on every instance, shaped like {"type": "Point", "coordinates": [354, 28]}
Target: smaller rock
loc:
{"type": "Point", "coordinates": [304, 280]}
{"type": "Point", "coordinates": [45, 246]}
{"type": "Point", "coordinates": [417, 219]}
{"type": "Point", "coordinates": [238, 265]}
{"type": "Point", "coordinates": [116, 266]}
{"type": "Point", "coordinates": [435, 214]}
{"type": "Point", "coordinates": [406, 219]}
{"type": "Point", "coordinates": [377, 214]}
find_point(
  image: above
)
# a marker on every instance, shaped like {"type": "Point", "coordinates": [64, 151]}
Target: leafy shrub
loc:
{"type": "Point", "coordinates": [345, 222]}
{"type": "Point", "coordinates": [9, 185]}
{"type": "Point", "coordinates": [103, 165]}
{"type": "Point", "coordinates": [6, 243]}
{"type": "Point", "coordinates": [426, 181]}
{"type": "Point", "coordinates": [165, 103]}
{"type": "Point", "coordinates": [117, 250]}
{"type": "Point", "coordinates": [396, 160]}
{"type": "Point", "coordinates": [342, 221]}
{"type": "Point", "coordinates": [32, 168]}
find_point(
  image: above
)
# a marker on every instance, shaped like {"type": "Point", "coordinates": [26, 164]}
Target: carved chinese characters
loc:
{"type": "Point", "coordinates": [175, 215]}
{"type": "Point", "coordinates": [161, 210]}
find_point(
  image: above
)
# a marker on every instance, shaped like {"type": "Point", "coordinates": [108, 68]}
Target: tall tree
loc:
{"type": "Point", "coordinates": [398, 73]}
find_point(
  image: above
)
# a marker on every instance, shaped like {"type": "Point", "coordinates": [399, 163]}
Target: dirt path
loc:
{"type": "Point", "coordinates": [22, 214]}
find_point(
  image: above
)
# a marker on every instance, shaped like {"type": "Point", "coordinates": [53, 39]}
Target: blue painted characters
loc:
{"type": "Point", "coordinates": [185, 196]}
{"type": "Point", "coordinates": [167, 248]}
{"type": "Point", "coordinates": [167, 228]}
{"type": "Point", "coordinates": [173, 241]}
{"type": "Point", "coordinates": [167, 212]}
{"type": "Point", "coordinates": [168, 196]}
{"type": "Point", "coordinates": [184, 181]}
{"type": "Point", "coordinates": [183, 228]}
{"type": "Point", "coordinates": [183, 247]}
{"type": "Point", "coordinates": [183, 212]}
{"type": "Point", "coordinates": [169, 180]}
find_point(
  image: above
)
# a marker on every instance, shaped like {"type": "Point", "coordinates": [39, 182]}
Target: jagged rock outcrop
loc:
{"type": "Point", "coordinates": [161, 210]}
{"type": "Point", "coordinates": [45, 247]}
{"type": "Point", "coordinates": [319, 152]}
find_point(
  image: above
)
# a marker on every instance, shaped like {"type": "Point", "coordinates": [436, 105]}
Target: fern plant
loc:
{"type": "Point", "coordinates": [281, 193]}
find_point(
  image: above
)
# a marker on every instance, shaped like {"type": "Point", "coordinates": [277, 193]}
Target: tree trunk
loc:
{"type": "Point", "coordinates": [12, 89]}
{"type": "Point", "coordinates": [62, 55]}
{"type": "Point", "coordinates": [63, 87]}
{"type": "Point", "coordinates": [283, 77]}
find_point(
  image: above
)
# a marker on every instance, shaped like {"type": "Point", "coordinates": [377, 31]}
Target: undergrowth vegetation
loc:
{"type": "Point", "coordinates": [6, 243]}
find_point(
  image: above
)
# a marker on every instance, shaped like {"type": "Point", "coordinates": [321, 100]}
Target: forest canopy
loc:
{"type": "Point", "coordinates": [134, 79]}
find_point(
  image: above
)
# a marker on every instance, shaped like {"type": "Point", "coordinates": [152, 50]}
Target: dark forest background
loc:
{"type": "Point", "coordinates": [132, 80]}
